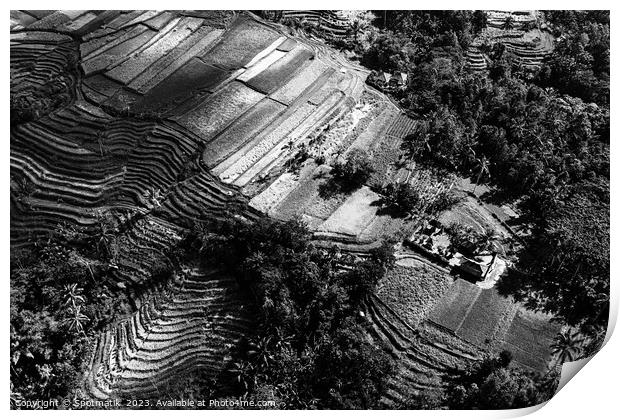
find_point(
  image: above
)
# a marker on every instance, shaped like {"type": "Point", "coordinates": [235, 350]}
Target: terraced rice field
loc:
{"type": "Point", "coordinates": [328, 21]}
{"type": "Point", "coordinates": [77, 169]}
{"type": "Point", "coordinates": [168, 38]}
{"type": "Point", "coordinates": [281, 70]}
{"type": "Point", "coordinates": [339, 218]}
{"type": "Point", "coordinates": [193, 45]}
{"type": "Point", "coordinates": [193, 325]}
{"type": "Point", "coordinates": [525, 43]}
{"type": "Point", "coordinates": [248, 91]}
{"type": "Point", "coordinates": [412, 290]}
{"type": "Point", "coordinates": [529, 337]}
{"type": "Point", "coordinates": [241, 131]}
{"type": "Point", "coordinates": [422, 355]}
{"type": "Point", "coordinates": [398, 316]}
{"type": "Point", "coordinates": [194, 80]}
{"type": "Point", "coordinates": [471, 213]}
{"type": "Point", "coordinates": [301, 193]}
{"type": "Point", "coordinates": [220, 110]}
{"type": "Point", "coordinates": [40, 60]}
{"type": "Point", "coordinates": [375, 130]}
{"type": "Point", "coordinates": [487, 320]}
{"type": "Point", "coordinates": [244, 40]}
{"type": "Point", "coordinates": [108, 56]}
{"type": "Point", "coordinates": [302, 81]}
{"type": "Point", "coordinates": [437, 324]}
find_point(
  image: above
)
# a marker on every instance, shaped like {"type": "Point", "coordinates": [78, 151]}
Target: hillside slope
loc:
{"type": "Point", "coordinates": [162, 119]}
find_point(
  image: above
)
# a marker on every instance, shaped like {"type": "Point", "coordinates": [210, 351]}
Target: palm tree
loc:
{"type": "Point", "coordinates": [509, 23]}
{"type": "Point", "coordinates": [339, 151]}
{"type": "Point", "coordinates": [23, 188]}
{"type": "Point", "coordinates": [88, 264]}
{"type": "Point", "coordinates": [415, 142]}
{"type": "Point", "coordinates": [154, 198]}
{"type": "Point", "coordinates": [244, 374]}
{"type": "Point", "coordinates": [528, 25]}
{"type": "Point", "coordinates": [358, 25]}
{"type": "Point", "coordinates": [483, 165]}
{"type": "Point", "coordinates": [104, 236]}
{"type": "Point", "coordinates": [487, 239]}
{"type": "Point", "coordinates": [567, 346]}
{"type": "Point", "coordinates": [261, 352]}
{"type": "Point", "coordinates": [16, 397]}
{"type": "Point", "coordinates": [100, 137]}
{"type": "Point", "coordinates": [73, 295]}
{"type": "Point", "coordinates": [290, 145]}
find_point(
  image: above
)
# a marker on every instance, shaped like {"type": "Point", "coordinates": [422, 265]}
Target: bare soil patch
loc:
{"type": "Point", "coordinates": [354, 214]}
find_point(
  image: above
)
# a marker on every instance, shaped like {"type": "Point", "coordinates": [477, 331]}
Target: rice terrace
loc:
{"type": "Point", "coordinates": [314, 209]}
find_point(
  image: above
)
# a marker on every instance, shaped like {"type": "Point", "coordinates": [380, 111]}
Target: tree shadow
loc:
{"type": "Point", "coordinates": [329, 189]}
{"type": "Point", "coordinates": [386, 210]}
{"type": "Point", "coordinates": [496, 196]}
{"type": "Point", "coordinates": [333, 187]}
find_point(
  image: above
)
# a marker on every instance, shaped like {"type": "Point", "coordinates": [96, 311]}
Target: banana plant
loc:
{"type": "Point", "coordinates": [567, 346]}
{"type": "Point", "coordinates": [73, 303]}
{"type": "Point", "coordinates": [76, 320]}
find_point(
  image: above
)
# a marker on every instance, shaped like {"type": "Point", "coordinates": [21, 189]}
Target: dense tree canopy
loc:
{"type": "Point", "coordinates": [580, 63]}
{"type": "Point", "coordinates": [309, 344]}
{"type": "Point", "coordinates": [490, 384]}
{"type": "Point", "coordinates": [59, 300]}
{"type": "Point", "coordinates": [353, 171]}
{"type": "Point", "coordinates": [565, 268]}
{"type": "Point", "coordinates": [419, 34]}
{"type": "Point", "coordinates": [493, 384]}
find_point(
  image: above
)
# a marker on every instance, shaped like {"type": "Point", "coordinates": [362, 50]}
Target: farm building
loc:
{"type": "Point", "coordinates": [484, 269]}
